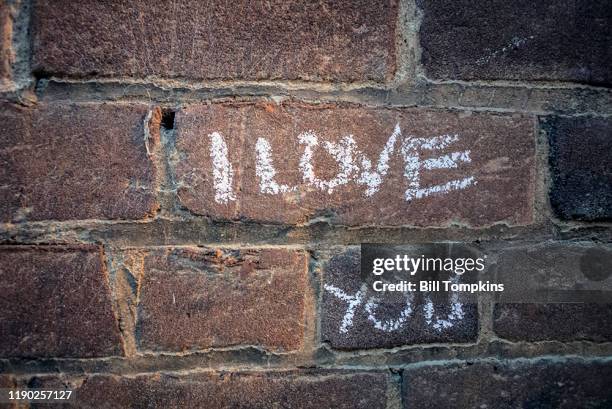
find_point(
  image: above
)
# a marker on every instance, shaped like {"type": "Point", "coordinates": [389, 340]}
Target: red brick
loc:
{"type": "Point", "coordinates": [295, 40]}
{"type": "Point", "coordinates": [56, 302]}
{"type": "Point", "coordinates": [501, 150]}
{"type": "Point", "coordinates": [6, 35]}
{"type": "Point", "coordinates": [203, 298]}
{"type": "Point", "coordinates": [75, 161]}
{"type": "Point", "coordinates": [287, 389]}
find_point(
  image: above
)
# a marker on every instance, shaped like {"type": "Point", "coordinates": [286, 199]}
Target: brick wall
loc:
{"type": "Point", "coordinates": [182, 184]}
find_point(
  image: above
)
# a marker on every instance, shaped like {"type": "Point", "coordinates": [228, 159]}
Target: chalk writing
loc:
{"type": "Point", "coordinates": [514, 44]}
{"type": "Point", "coordinates": [388, 325]}
{"type": "Point", "coordinates": [455, 314]}
{"type": "Point", "coordinates": [265, 170]}
{"type": "Point", "coordinates": [354, 166]}
{"type": "Point", "coordinates": [391, 324]}
{"type": "Point", "coordinates": [353, 302]}
{"type": "Point", "coordinates": [223, 173]}
{"type": "Point", "coordinates": [413, 164]}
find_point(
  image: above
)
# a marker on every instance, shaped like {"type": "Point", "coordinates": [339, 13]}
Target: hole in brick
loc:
{"type": "Point", "coordinates": [167, 120]}
{"type": "Point", "coordinates": [35, 383]}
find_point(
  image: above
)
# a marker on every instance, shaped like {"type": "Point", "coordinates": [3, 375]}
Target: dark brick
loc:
{"type": "Point", "coordinates": [510, 384]}
{"type": "Point", "coordinates": [295, 40]}
{"type": "Point", "coordinates": [294, 389]}
{"type": "Point", "coordinates": [557, 40]}
{"type": "Point", "coordinates": [365, 329]}
{"type": "Point", "coordinates": [203, 298]}
{"type": "Point", "coordinates": [560, 322]}
{"type": "Point", "coordinates": [501, 154]}
{"type": "Point", "coordinates": [81, 161]}
{"type": "Point", "coordinates": [56, 302]}
{"type": "Point", "coordinates": [557, 266]}
{"type": "Point", "coordinates": [6, 35]}
{"type": "Point", "coordinates": [581, 167]}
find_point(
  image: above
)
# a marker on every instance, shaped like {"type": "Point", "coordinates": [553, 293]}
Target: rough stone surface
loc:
{"type": "Point", "coordinates": [555, 40]}
{"type": "Point", "coordinates": [203, 298]}
{"type": "Point", "coordinates": [581, 167]}
{"type": "Point", "coordinates": [6, 27]}
{"type": "Point", "coordinates": [510, 384]}
{"type": "Point", "coordinates": [9, 382]}
{"type": "Point", "coordinates": [566, 271]}
{"type": "Point", "coordinates": [559, 322]}
{"type": "Point", "coordinates": [81, 161]}
{"type": "Point", "coordinates": [352, 324]}
{"type": "Point", "coordinates": [56, 302]}
{"type": "Point", "coordinates": [500, 149]}
{"type": "Point", "coordinates": [295, 40]}
{"type": "Point", "coordinates": [294, 389]}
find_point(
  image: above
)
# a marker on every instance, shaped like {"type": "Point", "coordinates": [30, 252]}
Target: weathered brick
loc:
{"type": "Point", "coordinates": [295, 40]}
{"type": "Point", "coordinates": [56, 302]}
{"type": "Point", "coordinates": [581, 167]}
{"type": "Point", "coordinates": [6, 35]}
{"type": "Point", "coordinates": [510, 384]}
{"type": "Point", "coordinates": [493, 165]}
{"type": "Point", "coordinates": [10, 382]}
{"type": "Point", "coordinates": [203, 298]}
{"type": "Point", "coordinates": [558, 267]}
{"type": "Point", "coordinates": [560, 322]}
{"type": "Point", "coordinates": [353, 318]}
{"type": "Point", "coordinates": [290, 389]}
{"type": "Point", "coordinates": [559, 40]}
{"type": "Point", "coordinates": [75, 161]}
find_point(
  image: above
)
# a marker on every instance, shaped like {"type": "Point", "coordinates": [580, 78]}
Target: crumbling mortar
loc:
{"type": "Point", "coordinates": [406, 55]}
{"type": "Point", "coordinates": [365, 96]}
{"type": "Point", "coordinates": [208, 233]}
{"type": "Point", "coordinates": [120, 299]}
{"type": "Point", "coordinates": [335, 368]}
{"type": "Point", "coordinates": [543, 210]}
{"type": "Point", "coordinates": [394, 389]}
{"type": "Point", "coordinates": [168, 157]}
{"type": "Point", "coordinates": [21, 77]}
